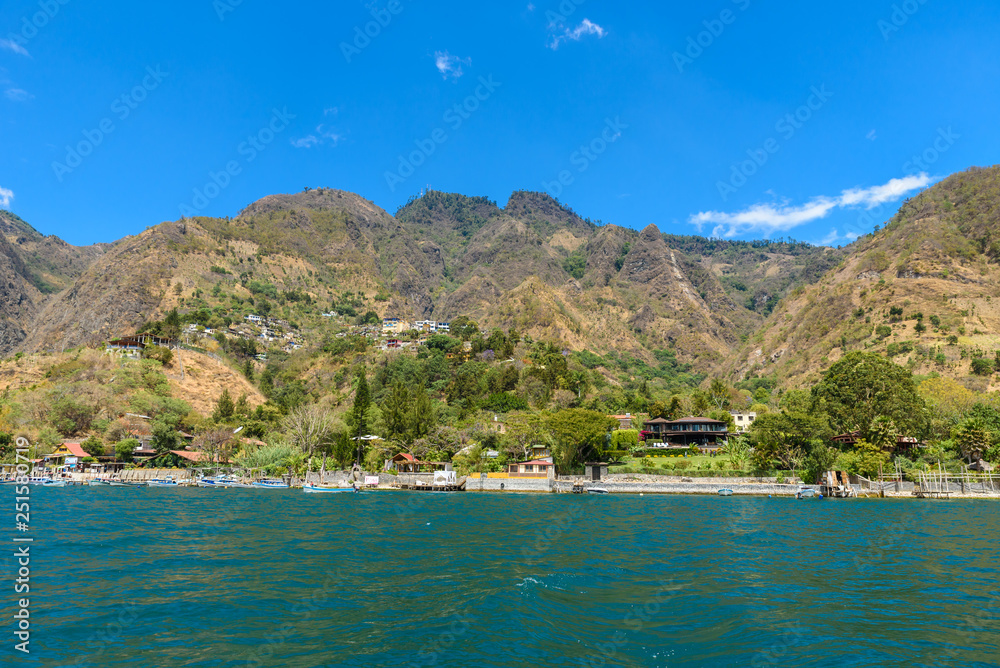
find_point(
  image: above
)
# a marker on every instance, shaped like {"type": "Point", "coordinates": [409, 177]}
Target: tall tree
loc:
{"type": "Point", "coordinates": [861, 387]}
{"type": "Point", "coordinates": [224, 407]}
{"type": "Point", "coordinates": [362, 400]}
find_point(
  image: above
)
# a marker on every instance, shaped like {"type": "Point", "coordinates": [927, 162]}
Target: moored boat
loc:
{"type": "Point", "coordinates": [270, 484]}
{"type": "Point", "coordinates": [222, 481]}
{"type": "Point", "coordinates": [725, 491]}
{"type": "Point", "coordinates": [597, 490]}
{"type": "Point", "coordinates": [162, 482]}
{"type": "Point", "coordinates": [321, 489]}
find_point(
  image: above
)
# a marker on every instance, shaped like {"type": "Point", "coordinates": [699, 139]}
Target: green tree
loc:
{"type": "Point", "coordinates": [421, 415]}
{"type": "Point", "coordinates": [165, 438]}
{"type": "Point", "coordinates": [863, 386]}
{"type": "Point", "coordinates": [578, 433]}
{"type": "Point", "coordinates": [171, 328]}
{"type": "Point", "coordinates": [93, 446]}
{"type": "Point", "coordinates": [395, 412]}
{"type": "Point", "coordinates": [224, 407]}
{"type": "Point", "coordinates": [124, 449]}
{"type": "Point", "coordinates": [248, 369]}
{"type": "Point", "coordinates": [362, 400]}
{"type": "Point", "coordinates": [737, 449]}
{"type": "Point", "coordinates": [973, 438]}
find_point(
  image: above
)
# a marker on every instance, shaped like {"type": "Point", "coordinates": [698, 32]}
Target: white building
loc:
{"type": "Point", "coordinates": [743, 420]}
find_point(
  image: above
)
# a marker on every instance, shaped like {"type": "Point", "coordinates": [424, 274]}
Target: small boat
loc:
{"type": "Point", "coordinates": [320, 489]}
{"type": "Point", "coordinates": [50, 483]}
{"type": "Point", "coordinates": [162, 482]}
{"type": "Point", "coordinates": [725, 491]}
{"type": "Point", "coordinates": [807, 493]}
{"type": "Point", "coordinates": [99, 482]}
{"type": "Point", "coordinates": [597, 490]}
{"type": "Point", "coordinates": [222, 481]}
{"type": "Point", "coordinates": [270, 484]}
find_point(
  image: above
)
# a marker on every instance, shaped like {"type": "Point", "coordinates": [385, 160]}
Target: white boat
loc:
{"type": "Point", "coordinates": [597, 490]}
{"type": "Point", "coordinates": [319, 489]}
{"type": "Point", "coordinates": [162, 482]}
{"type": "Point", "coordinates": [222, 481]}
{"type": "Point", "coordinates": [807, 493]}
{"type": "Point", "coordinates": [49, 482]}
{"type": "Point", "coordinates": [270, 484]}
{"type": "Point", "coordinates": [725, 491]}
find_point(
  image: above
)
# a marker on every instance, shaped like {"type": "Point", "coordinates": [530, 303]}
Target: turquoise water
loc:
{"type": "Point", "coordinates": [198, 577]}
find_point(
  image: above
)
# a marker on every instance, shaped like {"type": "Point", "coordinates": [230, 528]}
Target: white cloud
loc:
{"type": "Point", "coordinates": [781, 217]}
{"type": "Point", "coordinates": [450, 66]}
{"type": "Point", "coordinates": [5, 197]}
{"type": "Point", "coordinates": [871, 136]}
{"type": "Point", "coordinates": [586, 27]}
{"type": "Point", "coordinates": [331, 111]}
{"type": "Point", "coordinates": [18, 95]}
{"type": "Point", "coordinates": [531, 6]}
{"type": "Point", "coordinates": [322, 136]}
{"type": "Point", "coordinates": [11, 45]}
{"type": "Point", "coordinates": [890, 192]}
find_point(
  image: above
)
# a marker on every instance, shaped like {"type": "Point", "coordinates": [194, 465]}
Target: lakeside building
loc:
{"type": "Point", "coordinates": [743, 420]}
{"type": "Point", "coordinates": [67, 454]}
{"type": "Point", "coordinates": [536, 468]}
{"type": "Point", "coordinates": [132, 346]}
{"type": "Point", "coordinates": [690, 431]}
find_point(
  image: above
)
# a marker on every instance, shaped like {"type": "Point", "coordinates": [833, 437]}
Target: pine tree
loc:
{"type": "Point", "coordinates": [224, 407]}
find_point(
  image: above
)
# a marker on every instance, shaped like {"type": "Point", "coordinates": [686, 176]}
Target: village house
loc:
{"type": "Point", "coordinates": [67, 454]}
{"type": "Point", "coordinates": [904, 444]}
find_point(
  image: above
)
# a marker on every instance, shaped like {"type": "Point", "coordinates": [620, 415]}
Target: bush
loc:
{"type": "Point", "coordinates": [882, 331]}
{"type": "Point", "coordinates": [161, 354]}
{"type": "Point", "coordinates": [982, 366]}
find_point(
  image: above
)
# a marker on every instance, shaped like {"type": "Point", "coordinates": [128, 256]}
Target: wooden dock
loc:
{"type": "Point", "coordinates": [430, 487]}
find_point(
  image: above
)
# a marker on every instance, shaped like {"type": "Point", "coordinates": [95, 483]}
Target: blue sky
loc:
{"type": "Point", "coordinates": [738, 118]}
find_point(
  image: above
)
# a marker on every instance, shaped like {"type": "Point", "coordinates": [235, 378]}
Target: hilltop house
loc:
{"type": "Point", "coordinates": [132, 346]}
{"type": "Point", "coordinates": [690, 431]}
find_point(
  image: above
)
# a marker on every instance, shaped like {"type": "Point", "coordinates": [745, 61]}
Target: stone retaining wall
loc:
{"type": "Point", "coordinates": [712, 488]}
{"type": "Point", "coordinates": [508, 485]}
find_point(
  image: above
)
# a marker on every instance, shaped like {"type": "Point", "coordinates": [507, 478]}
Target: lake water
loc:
{"type": "Point", "coordinates": [201, 577]}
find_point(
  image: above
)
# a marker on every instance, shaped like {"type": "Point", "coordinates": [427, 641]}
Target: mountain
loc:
{"type": "Point", "coordinates": [33, 266]}
{"type": "Point", "coordinates": [779, 309]}
{"type": "Point", "coordinates": [934, 263]}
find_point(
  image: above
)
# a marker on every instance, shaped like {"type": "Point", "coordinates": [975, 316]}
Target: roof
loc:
{"type": "Point", "coordinates": [188, 455]}
{"type": "Point", "coordinates": [536, 462]}
{"type": "Point", "coordinates": [696, 420]}
{"type": "Point", "coordinates": [405, 455]}
{"type": "Point", "coordinates": [76, 450]}
{"type": "Point", "coordinates": [658, 421]}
